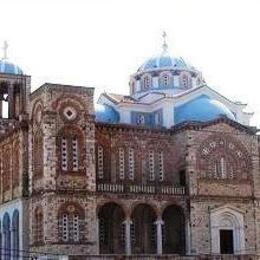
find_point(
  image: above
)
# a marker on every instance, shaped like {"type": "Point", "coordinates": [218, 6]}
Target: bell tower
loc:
{"type": "Point", "coordinates": [14, 90]}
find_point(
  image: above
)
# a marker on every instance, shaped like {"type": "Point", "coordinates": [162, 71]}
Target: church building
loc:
{"type": "Point", "coordinates": [172, 169]}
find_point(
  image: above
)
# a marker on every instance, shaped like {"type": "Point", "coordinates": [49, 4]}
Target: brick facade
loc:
{"type": "Point", "coordinates": [71, 168]}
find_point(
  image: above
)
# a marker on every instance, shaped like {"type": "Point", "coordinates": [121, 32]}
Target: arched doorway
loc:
{"type": "Point", "coordinates": [143, 231]}
{"type": "Point", "coordinates": [173, 230]}
{"type": "Point", "coordinates": [111, 229]}
{"type": "Point", "coordinates": [227, 230]}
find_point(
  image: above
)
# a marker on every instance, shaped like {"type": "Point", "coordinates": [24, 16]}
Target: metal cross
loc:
{"type": "Point", "coordinates": [165, 45]}
{"type": "Point", "coordinates": [5, 49]}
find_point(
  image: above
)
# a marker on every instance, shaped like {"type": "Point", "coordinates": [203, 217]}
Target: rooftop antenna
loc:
{"type": "Point", "coordinates": [5, 47]}
{"type": "Point", "coordinates": [165, 45]}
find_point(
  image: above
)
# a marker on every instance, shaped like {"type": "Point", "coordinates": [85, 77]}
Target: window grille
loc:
{"type": "Point", "coordinates": [131, 160]}
{"type": "Point", "coordinates": [121, 163]}
{"type": "Point", "coordinates": [151, 166]}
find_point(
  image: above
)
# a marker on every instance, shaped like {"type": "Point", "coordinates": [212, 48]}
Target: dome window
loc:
{"type": "Point", "coordinates": [147, 82]}
{"type": "Point", "coordinates": [185, 81]}
{"type": "Point", "coordinates": [165, 79]}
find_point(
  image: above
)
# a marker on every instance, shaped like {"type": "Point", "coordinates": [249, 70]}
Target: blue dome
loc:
{"type": "Point", "coordinates": [9, 67]}
{"type": "Point", "coordinates": [106, 114]}
{"type": "Point", "coordinates": [201, 109]}
{"type": "Point", "coordinates": [163, 62]}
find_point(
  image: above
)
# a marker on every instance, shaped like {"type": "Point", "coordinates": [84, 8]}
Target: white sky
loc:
{"type": "Point", "coordinates": [99, 43]}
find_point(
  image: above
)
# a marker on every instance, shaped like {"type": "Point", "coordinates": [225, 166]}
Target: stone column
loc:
{"type": "Point", "coordinates": [127, 224]}
{"type": "Point", "coordinates": [159, 224]}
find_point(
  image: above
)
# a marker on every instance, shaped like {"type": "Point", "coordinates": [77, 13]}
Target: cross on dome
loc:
{"type": "Point", "coordinates": [165, 45]}
{"type": "Point", "coordinates": [5, 47]}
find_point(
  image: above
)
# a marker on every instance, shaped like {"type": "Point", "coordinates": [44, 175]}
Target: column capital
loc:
{"type": "Point", "coordinates": [128, 221]}
{"type": "Point", "coordinates": [159, 221]}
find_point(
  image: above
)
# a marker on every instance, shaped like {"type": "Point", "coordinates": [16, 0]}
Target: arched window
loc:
{"type": "Point", "coordinates": [38, 226]}
{"type": "Point", "coordinates": [7, 237]}
{"type": "Point", "coordinates": [71, 145]}
{"type": "Point", "coordinates": [38, 154]}
{"type": "Point", "coordinates": [15, 234]}
{"type": "Point", "coordinates": [71, 223]}
{"type": "Point", "coordinates": [147, 82]}
{"type": "Point", "coordinates": [185, 81]}
{"type": "Point", "coordinates": [165, 80]}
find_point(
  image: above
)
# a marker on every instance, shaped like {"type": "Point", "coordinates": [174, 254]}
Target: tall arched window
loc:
{"type": "Point", "coordinates": [7, 237]}
{"type": "Point", "coordinates": [71, 223]}
{"type": "Point", "coordinates": [38, 154]}
{"type": "Point", "coordinates": [15, 234]}
{"type": "Point", "coordinates": [71, 143]}
{"type": "Point", "coordinates": [38, 226]}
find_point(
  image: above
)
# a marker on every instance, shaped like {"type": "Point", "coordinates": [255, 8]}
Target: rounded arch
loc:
{"type": "Point", "coordinates": [111, 219]}
{"type": "Point", "coordinates": [112, 202]}
{"type": "Point", "coordinates": [143, 229]}
{"type": "Point", "coordinates": [173, 230]}
{"type": "Point", "coordinates": [223, 156]}
{"type": "Point", "coordinates": [71, 207]}
{"type": "Point", "coordinates": [37, 107]}
{"type": "Point", "coordinates": [153, 206]}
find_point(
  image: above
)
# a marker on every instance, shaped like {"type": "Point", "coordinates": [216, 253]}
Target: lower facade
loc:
{"type": "Point", "coordinates": [141, 227]}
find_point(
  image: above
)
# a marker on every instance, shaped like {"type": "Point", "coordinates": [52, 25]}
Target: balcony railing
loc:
{"type": "Point", "coordinates": [143, 189]}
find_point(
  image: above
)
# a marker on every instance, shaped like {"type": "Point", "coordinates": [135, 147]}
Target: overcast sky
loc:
{"type": "Point", "coordinates": [99, 43]}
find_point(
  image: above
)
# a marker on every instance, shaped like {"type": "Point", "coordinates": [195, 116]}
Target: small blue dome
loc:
{"type": "Point", "coordinates": [106, 114]}
{"type": "Point", "coordinates": [164, 62]}
{"type": "Point", "coordinates": [9, 67]}
{"type": "Point", "coordinates": [201, 109]}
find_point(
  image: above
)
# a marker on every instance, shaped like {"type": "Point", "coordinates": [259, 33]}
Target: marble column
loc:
{"type": "Point", "coordinates": [127, 224]}
{"type": "Point", "coordinates": [159, 224]}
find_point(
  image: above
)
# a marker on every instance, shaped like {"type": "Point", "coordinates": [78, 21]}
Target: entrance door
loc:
{"type": "Point", "coordinates": [226, 242]}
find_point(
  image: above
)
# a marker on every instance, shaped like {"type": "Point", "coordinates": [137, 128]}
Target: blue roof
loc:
{"type": "Point", "coordinates": [9, 67]}
{"type": "Point", "coordinates": [164, 61]}
{"type": "Point", "coordinates": [201, 109]}
{"type": "Point", "coordinates": [106, 114]}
